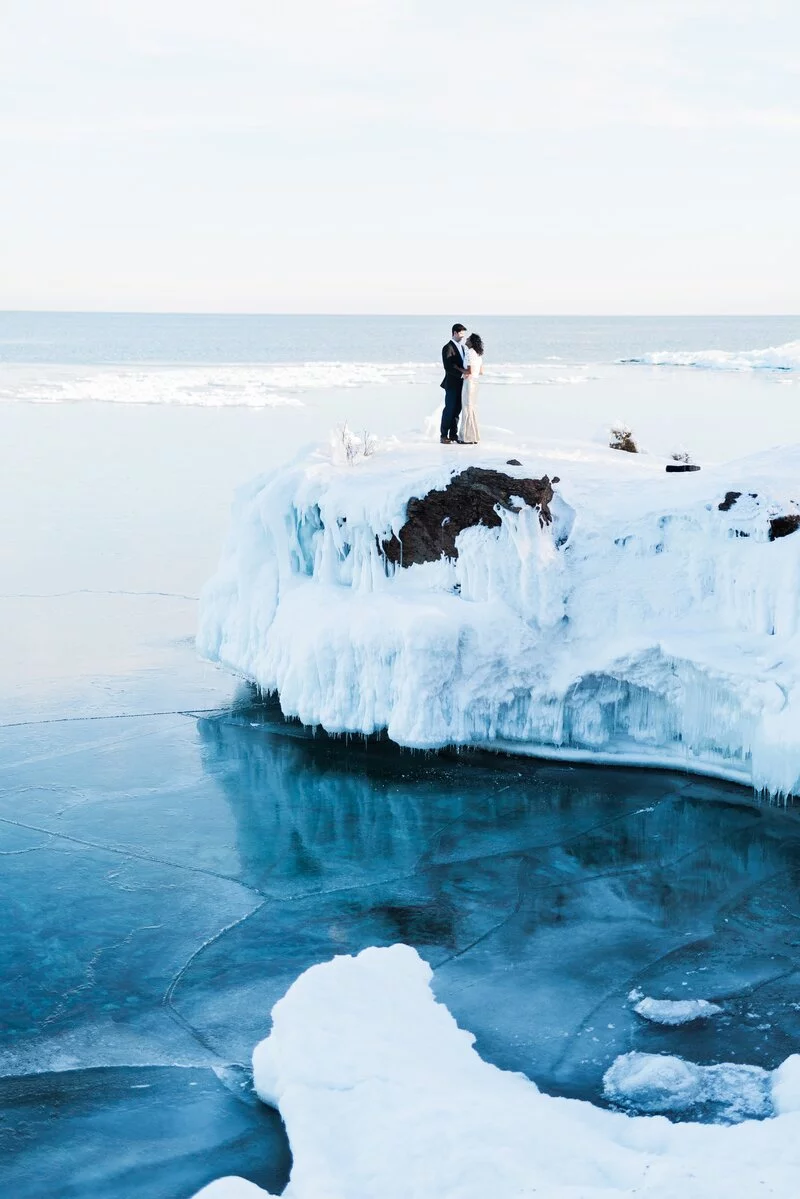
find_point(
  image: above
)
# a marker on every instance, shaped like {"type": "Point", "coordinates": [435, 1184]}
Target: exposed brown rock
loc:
{"type": "Point", "coordinates": [435, 520]}
{"type": "Point", "coordinates": [782, 526]}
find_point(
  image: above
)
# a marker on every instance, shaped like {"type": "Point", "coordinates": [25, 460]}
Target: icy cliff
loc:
{"type": "Point", "coordinates": [583, 604]}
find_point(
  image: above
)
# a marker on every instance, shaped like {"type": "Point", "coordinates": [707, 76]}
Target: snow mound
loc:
{"type": "Point", "coordinates": [654, 1082]}
{"type": "Point", "coordinates": [231, 1188]}
{"type": "Point", "coordinates": [786, 1086]}
{"type": "Point", "coordinates": [780, 358]}
{"type": "Point", "coordinates": [675, 1011]}
{"type": "Point", "coordinates": [651, 619]}
{"type": "Point", "coordinates": [384, 1095]}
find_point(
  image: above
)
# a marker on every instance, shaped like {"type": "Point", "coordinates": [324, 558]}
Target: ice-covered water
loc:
{"type": "Point", "coordinates": [174, 857]}
{"type": "Point", "coordinates": [545, 376]}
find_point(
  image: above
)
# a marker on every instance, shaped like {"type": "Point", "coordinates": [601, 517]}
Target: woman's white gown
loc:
{"type": "Point", "coordinates": [468, 430]}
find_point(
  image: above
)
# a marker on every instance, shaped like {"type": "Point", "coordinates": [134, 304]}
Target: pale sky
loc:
{"type": "Point", "coordinates": [532, 156]}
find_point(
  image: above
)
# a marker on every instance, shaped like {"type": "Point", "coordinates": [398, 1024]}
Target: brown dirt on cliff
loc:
{"type": "Point", "coordinates": [782, 526]}
{"type": "Point", "coordinates": [435, 520]}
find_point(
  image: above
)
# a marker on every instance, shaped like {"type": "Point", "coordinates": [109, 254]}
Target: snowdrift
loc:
{"type": "Point", "coordinates": [384, 1095]}
{"type": "Point", "coordinates": [588, 607]}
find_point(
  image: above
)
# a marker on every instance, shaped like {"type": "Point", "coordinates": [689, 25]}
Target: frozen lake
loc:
{"type": "Point", "coordinates": [175, 855]}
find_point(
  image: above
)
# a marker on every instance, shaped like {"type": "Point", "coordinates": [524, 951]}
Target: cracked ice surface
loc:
{"type": "Point", "coordinates": [664, 630]}
{"type": "Point", "coordinates": [167, 878]}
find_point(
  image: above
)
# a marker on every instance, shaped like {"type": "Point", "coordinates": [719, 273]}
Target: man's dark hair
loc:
{"type": "Point", "coordinates": [459, 329]}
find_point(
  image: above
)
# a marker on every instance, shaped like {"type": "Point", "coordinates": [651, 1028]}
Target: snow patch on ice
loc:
{"type": "Point", "coordinates": [675, 1011]}
{"type": "Point", "coordinates": [384, 1095]}
{"type": "Point", "coordinates": [658, 1083]}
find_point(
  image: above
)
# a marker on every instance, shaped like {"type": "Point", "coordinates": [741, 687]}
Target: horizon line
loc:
{"type": "Point", "coordinates": [416, 315]}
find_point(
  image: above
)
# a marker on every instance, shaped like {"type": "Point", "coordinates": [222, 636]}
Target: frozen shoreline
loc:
{"type": "Point", "coordinates": [654, 622]}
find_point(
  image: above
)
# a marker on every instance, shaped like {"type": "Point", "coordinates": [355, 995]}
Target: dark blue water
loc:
{"type": "Point", "coordinates": [166, 878]}
{"type": "Point", "coordinates": [98, 338]}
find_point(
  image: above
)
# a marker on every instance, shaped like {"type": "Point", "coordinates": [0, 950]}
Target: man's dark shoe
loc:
{"type": "Point", "coordinates": [445, 441]}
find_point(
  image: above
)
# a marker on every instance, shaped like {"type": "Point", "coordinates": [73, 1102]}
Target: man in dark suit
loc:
{"type": "Point", "coordinates": [454, 363]}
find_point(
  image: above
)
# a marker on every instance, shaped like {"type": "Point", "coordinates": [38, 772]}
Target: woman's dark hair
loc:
{"type": "Point", "coordinates": [474, 343]}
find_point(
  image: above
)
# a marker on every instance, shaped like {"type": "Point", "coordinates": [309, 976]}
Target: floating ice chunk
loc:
{"type": "Point", "coordinates": [655, 1082]}
{"type": "Point", "coordinates": [675, 1011]}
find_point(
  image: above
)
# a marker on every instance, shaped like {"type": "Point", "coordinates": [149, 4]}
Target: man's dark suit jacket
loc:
{"type": "Point", "coordinates": [453, 365]}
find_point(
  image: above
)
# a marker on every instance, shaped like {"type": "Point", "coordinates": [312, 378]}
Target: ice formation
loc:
{"type": "Point", "coordinates": [675, 1011]}
{"type": "Point", "coordinates": [258, 385]}
{"type": "Point", "coordinates": [383, 1094]}
{"type": "Point", "coordinates": [655, 621]}
{"type": "Point", "coordinates": [656, 1082]}
{"type": "Point", "coordinates": [785, 358]}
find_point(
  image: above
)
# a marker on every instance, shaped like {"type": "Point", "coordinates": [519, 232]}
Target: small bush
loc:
{"type": "Point", "coordinates": [352, 447]}
{"type": "Point", "coordinates": [622, 439]}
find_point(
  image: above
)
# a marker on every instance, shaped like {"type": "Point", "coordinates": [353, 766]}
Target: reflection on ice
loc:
{"type": "Point", "coordinates": [540, 894]}
{"type": "Point", "coordinates": [142, 1133]}
{"type": "Point", "coordinates": [167, 879]}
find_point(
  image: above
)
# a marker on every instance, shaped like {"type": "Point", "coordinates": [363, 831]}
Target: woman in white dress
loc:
{"type": "Point", "coordinates": [468, 431]}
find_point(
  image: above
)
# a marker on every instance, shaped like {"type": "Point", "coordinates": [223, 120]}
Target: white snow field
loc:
{"type": "Point", "coordinates": [654, 622]}
{"type": "Point", "coordinates": [384, 1095]}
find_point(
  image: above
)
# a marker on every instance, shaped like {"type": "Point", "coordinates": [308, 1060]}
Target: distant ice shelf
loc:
{"type": "Point", "coordinates": [641, 618]}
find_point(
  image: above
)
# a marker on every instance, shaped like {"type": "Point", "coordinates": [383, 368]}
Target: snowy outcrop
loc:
{"type": "Point", "coordinates": [382, 1094]}
{"type": "Point", "coordinates": [620, 614]}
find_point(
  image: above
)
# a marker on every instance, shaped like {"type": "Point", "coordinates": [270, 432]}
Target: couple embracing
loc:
{"type": "Point", "coordinates": [462, 359]}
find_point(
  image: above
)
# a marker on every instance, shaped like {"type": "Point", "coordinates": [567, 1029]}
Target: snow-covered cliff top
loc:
{"type": "Point", "coordinates": [622, 614]}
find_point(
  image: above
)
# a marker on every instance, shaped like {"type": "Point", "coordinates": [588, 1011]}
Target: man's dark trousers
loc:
{"type": "Point", "coordinates": [452, 409]}
{"type": "Point", "coordinates": [453, 384]}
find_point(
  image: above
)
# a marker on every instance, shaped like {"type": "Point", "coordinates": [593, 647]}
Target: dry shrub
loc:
{"type": "Point", "coordinates": [353, 447]}
{"type": "Point", "coordinates": [622, 439]}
